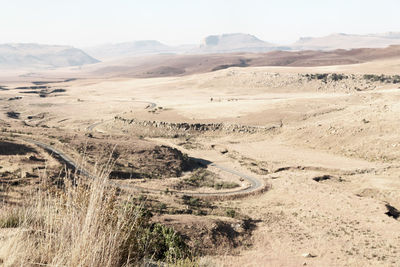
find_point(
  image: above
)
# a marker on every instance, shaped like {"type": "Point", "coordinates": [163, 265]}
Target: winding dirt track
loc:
{"type": "Point", "coordinates": [255, 183]}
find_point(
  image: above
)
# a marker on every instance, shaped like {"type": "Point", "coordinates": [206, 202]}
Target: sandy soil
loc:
{"type": "Point", "coordinates": [344, 130]}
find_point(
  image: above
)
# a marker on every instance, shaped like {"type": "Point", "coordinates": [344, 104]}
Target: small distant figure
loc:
{"type": "Point", "coordinates": [211, 99]}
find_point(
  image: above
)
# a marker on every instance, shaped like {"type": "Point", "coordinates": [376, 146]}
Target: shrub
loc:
{"type": "Point", "coordinates": [166, 244]}
{"type": "Point", "coordinates": [382, 78]}
{"type": "Point", "coordinates": [191, 201]}
{"type": "Point", "coordinates": [230, 213]}
{"type": "Point", "coordinates": [338, 77]}
{"type": "Point", "coordinates": [204, 178]}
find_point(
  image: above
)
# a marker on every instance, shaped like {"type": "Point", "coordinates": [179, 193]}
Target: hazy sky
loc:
{"type": "Point", "coordinates": [89, 22]}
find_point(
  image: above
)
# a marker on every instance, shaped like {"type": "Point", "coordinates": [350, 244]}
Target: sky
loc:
{"type": "Point", "coordinates": [83, 23]}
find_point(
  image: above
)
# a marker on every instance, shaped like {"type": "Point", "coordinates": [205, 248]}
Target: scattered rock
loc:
{"type": "Point", "coordinates": [13, 115]}
{"type": "Point", "coordinates": [322, 178]}
{"type": "Point", "coordinates": [39, 116]}
{"type": "Point", "coordinates": [392, 212]}
{"type": "Point", "coordinates": [308, 255]}
{"type": "Point", "coordinates": [282, 169]}
{"type": "Point", "coordinates": [15, 98]}
{"type": "Point", "coordinates": [223, 151]}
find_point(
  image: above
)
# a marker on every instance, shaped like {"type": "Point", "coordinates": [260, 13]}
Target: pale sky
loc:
{"type": "Point", "coordinates": [89, 22]}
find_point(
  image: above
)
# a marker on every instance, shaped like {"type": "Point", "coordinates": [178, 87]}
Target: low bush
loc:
{"type": "Point", "coordinates": [230, 213]}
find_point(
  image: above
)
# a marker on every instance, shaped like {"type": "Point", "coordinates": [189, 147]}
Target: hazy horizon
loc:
{"type": "Point", "coordinates": [178, 22]}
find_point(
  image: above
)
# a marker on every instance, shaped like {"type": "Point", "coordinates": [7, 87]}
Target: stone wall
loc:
{"type": "Point", "coordinates": [198, 127]}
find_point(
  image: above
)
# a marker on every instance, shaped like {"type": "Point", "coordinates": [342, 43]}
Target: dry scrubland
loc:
{"type": "Point", "coordinates": [181, 153]}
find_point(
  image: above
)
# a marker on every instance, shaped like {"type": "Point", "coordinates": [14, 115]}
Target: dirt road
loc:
{"type": "Point", "coordinates": [255, 183]}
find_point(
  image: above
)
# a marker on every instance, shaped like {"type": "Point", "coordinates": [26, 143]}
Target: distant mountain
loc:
{"type": "Point", "coordinates": [129, 49]}
{"type": "Point", "coordinates": [236, 42]}
{"type": "Point", "coordinates": [242, 43]}
{"type": "Point", "coordinates": [37, 55]}
{"type": "Point", "coordinates": [347, 41]}
{"type": "Point", "coordinates": [225, 43]}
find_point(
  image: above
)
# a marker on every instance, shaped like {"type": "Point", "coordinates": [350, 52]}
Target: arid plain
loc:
{"type": "Point", "coordinates": [321, 144]}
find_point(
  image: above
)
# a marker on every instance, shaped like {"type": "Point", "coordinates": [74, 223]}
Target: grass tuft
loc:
{"type": "Point", "coordinates": [86, 223]}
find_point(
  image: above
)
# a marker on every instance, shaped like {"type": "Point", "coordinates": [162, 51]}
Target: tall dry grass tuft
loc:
{"type": "Point", "coordinates": [85, 224]}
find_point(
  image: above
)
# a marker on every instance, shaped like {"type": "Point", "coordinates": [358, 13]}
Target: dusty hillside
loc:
{"type": "Point", "coordinates": [168, 65]}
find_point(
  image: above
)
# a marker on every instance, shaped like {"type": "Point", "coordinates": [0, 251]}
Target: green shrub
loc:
{"type": "Point", "coordinates": [230, 213]}
{"type": "Point", "coordinates": [166, 244]}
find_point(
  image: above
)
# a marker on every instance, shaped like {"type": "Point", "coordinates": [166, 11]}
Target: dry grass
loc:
{"type": "Point", "coordinates": [85, 223]}
{"type": "Point", "coordinates": [204, 178]}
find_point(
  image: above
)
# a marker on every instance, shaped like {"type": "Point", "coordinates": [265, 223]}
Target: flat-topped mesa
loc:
{"type": "Point", "coordinates": [198, 127]}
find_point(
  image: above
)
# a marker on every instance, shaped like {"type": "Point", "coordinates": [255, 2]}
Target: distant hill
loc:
{"type": "Point", "coordinates": [235, 42]}
{"type": "Point", "coordinates": [347, 41]}
{"type": "Point", "coordinates": [37, 55]}
{"type": "Point", "coordinates": [225, 43]}
{"type": "Point", "coordinates": [129, 49]}
{"type": "Point", "coordinates": [180, 65]}
{"type": "Point", "coordinates": [242, 43]}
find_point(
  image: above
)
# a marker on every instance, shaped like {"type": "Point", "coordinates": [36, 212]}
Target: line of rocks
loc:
{"type": "Point", "coordinates": [198, 127]}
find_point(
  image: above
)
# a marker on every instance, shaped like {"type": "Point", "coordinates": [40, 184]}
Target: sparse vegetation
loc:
{"type": "Point", "coordinates": [325, 77]}
{"type": "Point", "coordinates": [321, 145]}
{"type": "Point", "coordinates": [86, 224]}
{"type": "Point", "coordinates": [199, 206]}
{"type": "Point", "coordinates": [382, 78]}
{"type": "Point", "coordinates": [11, 218]}
{"type": "Point", "coordinates": [134, 161]}
{"type": "Point", "coordinates": [230, 213]}
{"type": "Point", "coordinates": [191, 201]}
{"type": "Point", "coordinates": [204, 178]}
